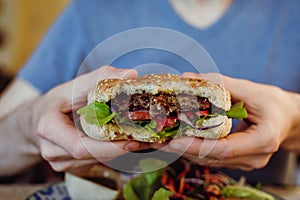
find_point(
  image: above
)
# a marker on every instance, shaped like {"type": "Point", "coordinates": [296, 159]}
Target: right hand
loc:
{"type": "Point", "coordinates": [272, 122]}
{"type": "Point", "coordinates": [60, 143]}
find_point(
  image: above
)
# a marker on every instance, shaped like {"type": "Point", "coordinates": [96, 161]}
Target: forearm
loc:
{"type": "Point", "coordinates": [18, 146]}
{"type": "Point", "coordinates": [293, 139]}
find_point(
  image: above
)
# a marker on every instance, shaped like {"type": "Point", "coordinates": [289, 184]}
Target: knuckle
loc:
{"type": "Point", "coordinates": [58, 167]}
{"type": "Point", "coordinates": [258, 164]}
{"type": "Point", "coordinates": [47, 156]}
{"type": "Point", "coordinates": [41, 129]}
{"type": "Point", "coordinates": [79, 153]}
{"type": "Point", "coordinates": [272, 146]}
{"type": "Point", "coordinates": [227, 154]}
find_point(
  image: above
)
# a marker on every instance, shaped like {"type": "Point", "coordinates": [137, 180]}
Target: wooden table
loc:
{"type": "Point", "coordinates": [21, 191]}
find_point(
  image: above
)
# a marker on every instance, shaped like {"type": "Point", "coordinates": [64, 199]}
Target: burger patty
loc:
{"type": "Point", "coordinates": [160, 103]}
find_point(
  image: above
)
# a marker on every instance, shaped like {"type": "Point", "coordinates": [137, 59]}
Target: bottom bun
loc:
{"type": "Point", "coordinates": [212, 133]}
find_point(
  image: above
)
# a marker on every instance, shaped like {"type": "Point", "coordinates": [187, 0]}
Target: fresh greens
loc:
{"type": "Point", "coordinates": [150, 127]}
{"type": "Point", "coordinates": [96, 113]}
{"type": "Point", "coordinates": [152, 168]}
{"type": "Point", "coordinates": [129, 192]}
{"type": "Point", "coordinates": [170, 132]}
{"type": "Point", "coordinates": [237, 111]}
{"type": "Point", "coordinates": [186, 180]}
{"type": "Point", "coordinates": [246, 192]}
{"type": "Point", "coordinates": [162, 194]}
{"type": "Point", "coordinates": [143, 186]}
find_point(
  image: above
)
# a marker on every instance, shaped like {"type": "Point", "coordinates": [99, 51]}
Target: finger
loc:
{"type": "Point", "coordinates": [61, 166]}
{"type": "Point", "coordinates": [62, 133]}
{"type": "Point", "coordinates": [212, 76]}
{"type": "Point", "coordinates": [76, 143]}
{"type": "Point", "coordinates": [214, 163]}
{"type": "Point", "coordinates": [242, 125]}
{"type": "Point", "coordinates": [245, 163]}
{"type": "Point", "coordinates": [234, 145]}
{"type": "Point", "coordinates": [84, 83]}
{"type": "Point", "coordinates": [52, 152]}
{"type": "Point", "coordinates": [191, 75]}
{"type": "Point", "coordinates": [74, 92]}
{"type": "Point", "coordinates": [165, 147]}
{"type": "Point", "coordinates": [240, 89]}
{"type": "Point", "coordinates": [107, 150]}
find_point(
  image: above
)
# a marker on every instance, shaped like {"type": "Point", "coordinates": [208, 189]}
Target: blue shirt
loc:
{"type": "Point", "coordinates": [256, 40]}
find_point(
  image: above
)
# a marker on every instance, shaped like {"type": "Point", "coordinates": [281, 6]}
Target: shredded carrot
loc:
{"type": "Point", "coordinates": [181, 185]}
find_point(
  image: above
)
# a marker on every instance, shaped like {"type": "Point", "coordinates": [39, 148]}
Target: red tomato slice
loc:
{"type": "Point", "coordinates": [139, 115]}
{"type": "Point", "coordinates": [161, 122]}
{"type": "Point", "coordinates": [170, 121]}
{"type": "Point", "coordinates": [202, 113]}
{"type": "Point", "coordinates": [165, 122]}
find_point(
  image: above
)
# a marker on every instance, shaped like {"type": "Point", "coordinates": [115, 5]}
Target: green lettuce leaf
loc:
{"type": "Point", "coordinates": [237, 111]}
{"type": "Point", "coordinates": [96, 113]}
{"type": "Point", "coordinates": [129, 193]}
{"type": "Point", "coordinates": [144, 185]}
{"type": "Point", "coordinates": [246, 192]}
{"type": "Point", "coordinates": [162, 194]}
{"type": "Point", "coordinates": [150, 126]}
{"type": "Point", "coordinates": [170, 132]}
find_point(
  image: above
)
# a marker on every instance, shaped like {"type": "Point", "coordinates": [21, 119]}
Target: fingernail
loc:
{"type": "Point", "coordinates": [132, 146]}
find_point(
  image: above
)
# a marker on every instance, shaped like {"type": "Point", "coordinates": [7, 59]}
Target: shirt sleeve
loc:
{"type": "Point", "coordinates": [60, 53]}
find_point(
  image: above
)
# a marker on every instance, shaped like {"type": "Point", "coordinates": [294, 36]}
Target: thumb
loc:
{"type": "Point", "coordinates": [75, 91]}
{"type": "Point", "coordinates": [240, 89]}
{"type": "Point", "coordinates": [80, 86]}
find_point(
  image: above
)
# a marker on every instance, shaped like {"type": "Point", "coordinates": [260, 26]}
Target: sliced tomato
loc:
{"type": "Point", "coordinates": [170, 121]}
{"type": "Point", "coordinates": [202, 113]}
{"type": "Point", "coordinates": [165, 122]}
{"type": "Point", "coordinates": [139, 115]}
{"type": "Point", "coordinates": [161, 122]}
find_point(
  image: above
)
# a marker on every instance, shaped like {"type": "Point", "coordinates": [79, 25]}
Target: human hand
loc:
{"type": "Point", "coordinates": [61, 144]}
{"type": "Point", "coordinates": [273, 121]}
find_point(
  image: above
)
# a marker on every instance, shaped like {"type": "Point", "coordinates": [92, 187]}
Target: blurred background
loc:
{"type": "Point", "coordinates": [22, 25]}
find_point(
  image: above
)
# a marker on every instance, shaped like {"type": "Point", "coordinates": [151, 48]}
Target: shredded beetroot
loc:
{"type": "Point", "coordinates": [194, 181]}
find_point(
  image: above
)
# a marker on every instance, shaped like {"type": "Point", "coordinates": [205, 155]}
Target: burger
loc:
{"type": "Point", "coordinates": [158, 107]}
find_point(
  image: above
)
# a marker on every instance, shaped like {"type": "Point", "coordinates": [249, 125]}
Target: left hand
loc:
{"type": "Point", "coordinates": [59, 141]}
{"type": "Point", "coordinates": [273, 116]}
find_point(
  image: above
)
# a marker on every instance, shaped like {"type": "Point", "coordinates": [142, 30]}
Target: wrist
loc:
{"type": "Point", "coordinates": [31, 117]}
{"type": "Point", "coordinates": [293, 139]}
{"type": "Point", "coordinates": [18, 147]}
